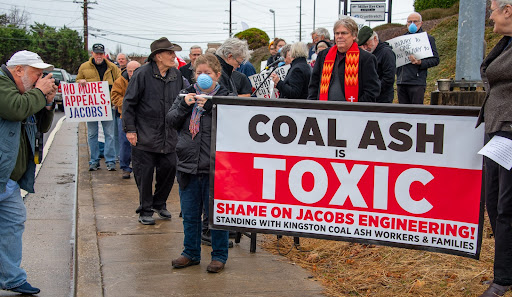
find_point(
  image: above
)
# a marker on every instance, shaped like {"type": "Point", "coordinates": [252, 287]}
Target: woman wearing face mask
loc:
{"type": "Point", "coordinates": [191, 114]}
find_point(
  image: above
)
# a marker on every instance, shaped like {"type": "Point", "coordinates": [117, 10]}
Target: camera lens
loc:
{"type": "Point", "coordinates": [57, 81]}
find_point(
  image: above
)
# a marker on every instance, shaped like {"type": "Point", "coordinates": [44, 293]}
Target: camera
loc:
{"type": "Point", "coordinates": [57, 81]}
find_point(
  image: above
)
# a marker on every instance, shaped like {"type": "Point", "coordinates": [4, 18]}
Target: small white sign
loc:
{"type": "Point", "coordinates": [499, 149]}
{"type": "Point", "coordinates": [417, 45]}
{"type": "Point", "coordinates": [267, 90]}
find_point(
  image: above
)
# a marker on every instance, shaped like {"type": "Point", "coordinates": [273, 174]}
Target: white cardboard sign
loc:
{"type": "Point", "coordinates": [417, 45]}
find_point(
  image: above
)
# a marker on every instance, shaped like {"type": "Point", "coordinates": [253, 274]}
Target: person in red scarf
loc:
{"type": "Point", "coordinates": [344, 72]}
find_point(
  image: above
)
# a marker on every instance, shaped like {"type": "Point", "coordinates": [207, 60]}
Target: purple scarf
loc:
{"type": "Point", "coordinates": [197, 112]}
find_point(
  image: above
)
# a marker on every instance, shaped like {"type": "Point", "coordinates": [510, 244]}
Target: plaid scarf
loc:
{"type": "Point", "coordinates": [197, 112]}
{"type": "Point", "coordinates": [351, 73]}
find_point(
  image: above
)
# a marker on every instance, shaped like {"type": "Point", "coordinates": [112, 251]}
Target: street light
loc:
{"type": "Point", "coordinates": [274, 13]}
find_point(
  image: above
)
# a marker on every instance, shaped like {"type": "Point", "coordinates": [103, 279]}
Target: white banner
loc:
{"type": "Point", "coordinates": [89, 103]}
{"type": "Point", "coordinates": [417, 45]}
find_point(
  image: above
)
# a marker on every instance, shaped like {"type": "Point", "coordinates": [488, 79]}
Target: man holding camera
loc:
{"type": "Point", "coordinates": [98, 68]}
{"type": "Point", "coordinates": [26, 107]}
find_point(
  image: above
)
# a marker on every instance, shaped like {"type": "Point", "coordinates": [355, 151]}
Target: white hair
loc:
{"type": "Point", "coordinates": [298, 50]}
{"type": "Point", "coordinates": [196, 46]}
{"type": "Point", "coordinates": [502, 3]}
{"type": "Point", "coordinates": [322, 32]}
{"type": "Point", "coordinates": [236, 47]}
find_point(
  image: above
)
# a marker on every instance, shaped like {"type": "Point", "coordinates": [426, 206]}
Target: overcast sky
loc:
{"type": "Point", "coordinates": [134, 24]}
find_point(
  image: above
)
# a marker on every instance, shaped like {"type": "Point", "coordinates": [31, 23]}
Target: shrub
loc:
{"type": "Point", "coordinates": [420, 5]}
{"type": "Point", "coordinates": [256, 38]}
{"type": "Point", "coordinates": [439, 13]}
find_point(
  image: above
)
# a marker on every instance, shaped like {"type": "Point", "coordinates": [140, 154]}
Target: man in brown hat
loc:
{"type": "Point", "coordinates": [150, 94]}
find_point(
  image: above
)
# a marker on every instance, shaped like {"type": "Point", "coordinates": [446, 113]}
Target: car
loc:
{"type": "Point", "coordinates": [63, 76]}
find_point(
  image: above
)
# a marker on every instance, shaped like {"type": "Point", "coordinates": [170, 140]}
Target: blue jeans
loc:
{"type": "Point", "coordinates": [125, 148]}
{"type": "Point", "coordinates": [12, 224]}
{"type": "Point", "coordinates": [92, 135]}
{"type": "Point", "coordinates": [192, 198]}
{"type": "Point", "coordinates": [115, 115]}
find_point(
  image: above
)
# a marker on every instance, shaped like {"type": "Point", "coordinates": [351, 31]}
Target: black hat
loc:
{"type": "Point", "coordinates": [162, 44]}
{"type": "Point", "coordinates": [364, 34]}
{"type": "Point", "coordinates": [98, 48]}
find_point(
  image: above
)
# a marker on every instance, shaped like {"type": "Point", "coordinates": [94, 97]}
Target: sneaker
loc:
{"type": "Point", "coordinates": [26, 288]}
{"type": "Point", "coordinates": [126, 174]}
{"type": "Point", "coordinates": [163, 213]}
{"type": "Point", "coordinates": [146, 220]}
{"type": "Point", "coordinates": [94, 167]}
{"type": "Point", "coordinates": [111, 167]}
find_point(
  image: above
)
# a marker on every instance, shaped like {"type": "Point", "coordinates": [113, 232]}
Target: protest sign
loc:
{"type": "Point", "coordinates": [267, 90]}
{"type": "Point", "coordinates": [417, 45]}
{"type": "Point", "coordinates": [391, 175]}
{"type": "Point", "coordinates": [89, 103]}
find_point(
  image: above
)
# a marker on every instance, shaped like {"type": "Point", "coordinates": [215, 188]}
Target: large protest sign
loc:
{"type": "Point", "coordinates": [382, 174]}
{"type": "Point", "coordinates": [87, 103]}
{"type": "Point", "coordinates": [417, 45]}
{"type": "Point", "coordinates": [268, 90]}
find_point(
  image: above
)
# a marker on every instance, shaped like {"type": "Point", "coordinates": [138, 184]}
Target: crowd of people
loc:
{"type": "Point", "coordinates": [163, 123]}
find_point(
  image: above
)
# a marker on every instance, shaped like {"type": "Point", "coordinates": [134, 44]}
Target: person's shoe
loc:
{"type": "Point", "coordinates": [215, 266]}
{"type": "Point", "coordinates": [146, 220]}
{"type": "Point", "coordinates": [94, 167]}
{"type": "Point", "coordinates": [182, 262]}
{"type": "Point", "coordinates": [126, 174]}
{"type": "Point", "coordinates": [26, 288]}
{"type": "Point", "coordinates": [163, 213]}
{"type": "Point", "coordinates": [111, 167]}
{"type": "Point", "coordinates": [495, 290]}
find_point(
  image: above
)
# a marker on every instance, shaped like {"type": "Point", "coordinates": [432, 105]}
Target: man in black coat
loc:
{"type": "Point", "coordinates": [386, 62]}
{"type": "Point", "coordinates": [150, 94]}
{"type": "Point", "coordinates": [363, 84]}
{"type": "Point", "coordinates": [188, 70]}
{"type": "Point", "coordinates": [411, 79]}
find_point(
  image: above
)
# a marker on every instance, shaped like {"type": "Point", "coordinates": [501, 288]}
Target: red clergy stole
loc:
{"type": "Point", "coordinates": [351, 73]}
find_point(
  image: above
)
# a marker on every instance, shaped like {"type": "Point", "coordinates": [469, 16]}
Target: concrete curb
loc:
{"type": "Point", "coordinates": [88, 279]}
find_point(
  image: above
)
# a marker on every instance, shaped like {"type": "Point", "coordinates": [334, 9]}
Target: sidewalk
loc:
{"type": "Point", "coordinates": [117, 256]}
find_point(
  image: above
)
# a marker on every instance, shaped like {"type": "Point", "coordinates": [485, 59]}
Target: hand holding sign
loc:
{"type": "Point", "coordinates": [87, 102]}
{"type": "Point", "coordinates": [411, 48]}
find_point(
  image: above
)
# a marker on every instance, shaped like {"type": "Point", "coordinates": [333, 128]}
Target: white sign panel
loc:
{"type": "Point", "coordinates": [417, 45]}
{"type": "Point", "coordinates": [267, 90]}
{"type": "Point", "coordinates": [369, 11]}
{"type": "Point", "coordinates": [88, 103]}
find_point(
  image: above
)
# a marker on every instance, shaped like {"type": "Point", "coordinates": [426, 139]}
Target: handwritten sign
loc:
{"type": "Point", "coordinates": [267, 90]}
{"type": "Point", "coordinates": [417, 45]}
{"type": "Point", "coordinates": [89, 103]}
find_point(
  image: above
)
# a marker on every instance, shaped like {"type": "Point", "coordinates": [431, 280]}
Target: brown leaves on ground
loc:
{"type": "Point", "coordinates": [351, 269]}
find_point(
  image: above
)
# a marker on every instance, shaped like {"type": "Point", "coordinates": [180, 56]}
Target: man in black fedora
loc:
{"type": "Point", "coordinates": [150, 94]}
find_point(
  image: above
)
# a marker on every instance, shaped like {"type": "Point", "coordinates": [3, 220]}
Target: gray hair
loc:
{"type": "Point", "coordinates": [211, 50]}
{"type": "Point", "coordinates": [196, 46]}
{"type": "Point", "coordinates": [127, 59]}
{"type": "Point", "coordinates": [236, 47]}
{"type": "Point", "coordinates": [299, 50]}
{"type": "Point", "coordinates": [285, 49]}
{"type": "Point", "coordinates": [322, 32]}
{"type": "Point", "coordinates": [348, 23]}
{"type": "Point", "coordinates": [502, 3]}
{"type": "Point", "coordinates": [374, 35]}
{"type": "Point", "coordinates": [421, 18]}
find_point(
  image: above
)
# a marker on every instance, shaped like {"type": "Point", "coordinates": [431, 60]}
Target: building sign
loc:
{"type": "Point", "coordinates": [369, 11]}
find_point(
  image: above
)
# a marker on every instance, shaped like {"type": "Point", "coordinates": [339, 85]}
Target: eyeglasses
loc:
{"type": "Point", "coordinates": [238, 62]}
{"type": "Point", "coordinates": [415, 21]}
{"type": "Point", "coordinates": [491, 11]}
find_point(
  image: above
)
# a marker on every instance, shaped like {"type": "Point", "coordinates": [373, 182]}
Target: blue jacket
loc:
{"type": "Point", "coordinates": [10, 130]}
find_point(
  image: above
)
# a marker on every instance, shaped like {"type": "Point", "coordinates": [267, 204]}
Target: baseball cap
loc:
{"type": "Point", "coordinates": [98, 48]}
{"type": "Point", "coordinates": [29, 59]}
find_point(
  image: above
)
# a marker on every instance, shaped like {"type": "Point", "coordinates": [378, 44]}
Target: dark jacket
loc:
{"type": "Point", "coordinates": [193, 154]}
{"type": "Point", "coordinates": [147, 100]}
{"type": "Point", "coordinates": [386, 69]}
{"type": "Point", "coordinates": [496, 110]}
{"type": "Point", "coordinates": [295, 84]}
{"type": "Point", "coordinates": [235, 82]}
{"type": "Point", "coordinates": [369, 84]}
{"type": "Point", "coordinates": [416, 75]}
{"type": "Point", "coordinates": [188, 72]}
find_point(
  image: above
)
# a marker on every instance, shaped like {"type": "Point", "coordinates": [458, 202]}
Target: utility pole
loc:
{"type": "Point", "coordinates": [390, 5]}
{"type": "Point", "coordinates": [314, 13]}
{"type": "Point", "coordinates": [230, 22]}
{"type": "Point", "coordinates": [86, 27]}
{"type": "Point", "coordinates": [300, 20]}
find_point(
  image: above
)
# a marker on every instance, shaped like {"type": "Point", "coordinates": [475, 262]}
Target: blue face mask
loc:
{"type": "Point", "coordinates": [204, 81]}
{"type": "Point", "coordinates": [413, 28]}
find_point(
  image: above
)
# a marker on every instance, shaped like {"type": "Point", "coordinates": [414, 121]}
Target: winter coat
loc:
{"type": "Point", "coordinates": [147, 100]}
{"type": "Point", "coordinates": [193, 154]}
{"type": "Point", "coordinates": [369, 84]}
{"type": "Point", "coordinates": [386, 69]}
{"type": "Point", "coordinates": [118, 91]}
{"type": "Point", "coordinates": [411, 74]}
{"type": "Point", "coordinates": [496, 110]}
{"type": "Point", "coordinates": [89, 72]}
{"type": "Point", "coordinates": [295, 84]}
{"type": "Point", "coordinates": [235, 82]}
